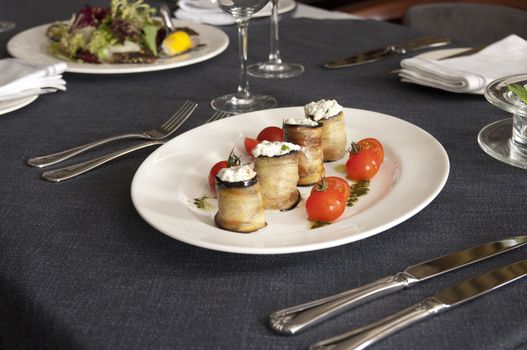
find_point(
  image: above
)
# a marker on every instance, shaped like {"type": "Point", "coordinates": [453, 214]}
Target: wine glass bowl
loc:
{"type": "Point", "coordinates": [274, 68]}
{"type": "Point", "coordinates": [506, 140]}
{"type": "Point", "coordinates": [242, 100]}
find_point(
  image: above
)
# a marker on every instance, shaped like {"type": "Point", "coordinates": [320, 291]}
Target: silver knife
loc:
{"type": "Point", "coordinates": [390, 50]}
{"type": "Point", "coordinates": [441, 301]}
{"type": "Point", "coordinates": [295, 319]}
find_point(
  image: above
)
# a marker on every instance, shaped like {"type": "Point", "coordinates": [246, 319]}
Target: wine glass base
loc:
{"type": "Point", "coordinates": [232, 104]}
{"type": "Point", "coordinates": [6, 25]}
{"type": "Point", "coordinates": [270, 70]}
{"type": "Point", "coordinates": [495, 140]}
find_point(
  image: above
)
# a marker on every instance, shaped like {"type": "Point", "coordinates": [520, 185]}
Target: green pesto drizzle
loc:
{"type": "Point", "coordinates": [358, 189]}
{"type": "Point", "coordinates": [340, 168]}
{"type": "Point", "coordinates": [201, 203]}
{"type": "Point", "coordinates": [317, 224]}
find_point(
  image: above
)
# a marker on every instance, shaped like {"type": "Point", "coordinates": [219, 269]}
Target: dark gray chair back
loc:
{"type": "Point", "coordinates": [475, 23]}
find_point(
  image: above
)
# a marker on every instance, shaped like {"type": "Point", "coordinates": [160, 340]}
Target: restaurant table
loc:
{"type": "Point", "coordinates": [80, 269]}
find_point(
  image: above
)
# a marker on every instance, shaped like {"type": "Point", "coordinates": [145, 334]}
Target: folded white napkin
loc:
{"type": "Point", "coordinates": [20, 79]}
{"type": "Point", "coordinates": [207, 11]}
{"type": "Point", "coordinates": [469, 74]}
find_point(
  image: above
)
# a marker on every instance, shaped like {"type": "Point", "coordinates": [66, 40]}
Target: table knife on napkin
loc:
{"type": "Point", "coordinates": [295, 319]}
{"type": "Point", "coordinates": [443, 300]}
{"type": "Point", "coordinates": [388, 51]}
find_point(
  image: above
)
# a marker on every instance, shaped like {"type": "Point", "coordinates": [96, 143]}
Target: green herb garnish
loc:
{"type": "Point", "coordinates": [285, 148]}
{"type": "Point", "coordinates": [358, 189]}
{"type": "Point", "coordinates": [519, 91]}
{"type": "Point", "coordinates": [318, 224]}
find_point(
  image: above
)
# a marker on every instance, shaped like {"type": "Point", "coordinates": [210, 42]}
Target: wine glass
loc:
{"type": "Point", "coordinates": [506, 140]}
{"type": "Point", "coordinates": [242, 100]}
{"type": "Point", "coordinates": [6, 25]}
{"type": "Point", "coordinates": [274, 68]}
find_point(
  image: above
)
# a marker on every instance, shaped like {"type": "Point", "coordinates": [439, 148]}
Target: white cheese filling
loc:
{"type": "Point", "coordinates": [322, 109]}
{"type": "Point", "coordinates": [272, 149]}
{"type": "Point", "coordinates": [301, 122]}
{"type": "Point", "coordinates": [236, 174]}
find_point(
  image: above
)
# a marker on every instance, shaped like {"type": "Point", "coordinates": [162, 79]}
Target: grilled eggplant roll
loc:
{"type": "Point", "coordinates": [331, 116]}
{"type": "Point", "coordinates": [307, 134]}
{"type": "Point", "coordinates": [276, 164]}
{"type": "Point", "coordinates": [240, 205]}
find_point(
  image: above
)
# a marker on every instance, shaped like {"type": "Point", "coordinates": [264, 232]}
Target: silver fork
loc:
{"type": "Point", "coordinates": [78, 169]}
{"type": "Point", "coordinates": [157, 134]}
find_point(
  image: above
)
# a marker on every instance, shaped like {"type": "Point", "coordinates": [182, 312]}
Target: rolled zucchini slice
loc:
{"type": "Point", "coordinates": [278, 178]}
{"type": "Point", "coordinates": [240, 205]}
{"type": "Point", "coordinates": [311, 156]}
{"type": "Point", "coordinates": [334, 137]}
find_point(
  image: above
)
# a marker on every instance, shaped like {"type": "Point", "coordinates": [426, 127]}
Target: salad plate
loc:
{"type": "Point", "coordinates": [169, 183]}
{"type": "Point", "coordinates": [13, 105]}
{"type": "Point", "coordinates": [32, 45]}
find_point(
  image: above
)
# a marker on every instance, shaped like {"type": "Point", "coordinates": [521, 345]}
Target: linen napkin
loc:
{"type": "Point", "coordinates": [207, 11]}
{"type": "Point", "coordinates": [20, 79]}
{"type": "Point", "coordinates": [469, 74]}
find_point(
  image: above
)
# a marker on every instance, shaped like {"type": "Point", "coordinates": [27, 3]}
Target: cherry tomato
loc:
{"type": "Point", "coordinates": [214, 171]}
{"type": "Point", "coordinates": [271, 133]}
{"type": "Point", "coordinates": [374, 145]}
{"type": "Point", "coordinates": [362, 164]}
{"type": "Point", "coordinates": [335, 183]}
{"type": "Point", "coordinates": [325, 205]}
{"type": "Point", "coordinates": [249, 144]}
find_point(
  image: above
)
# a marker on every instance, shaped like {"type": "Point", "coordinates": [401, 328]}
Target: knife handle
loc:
{"type": "Point", "coordinates": [362, 338]}
{"type": "Point", "coordinates": [294, 319]}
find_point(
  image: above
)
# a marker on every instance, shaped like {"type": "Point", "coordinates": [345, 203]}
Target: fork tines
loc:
{"type": "Point", "coordinates": [180, 116]}
{"type": "Point", "coordinates": [217, 116]}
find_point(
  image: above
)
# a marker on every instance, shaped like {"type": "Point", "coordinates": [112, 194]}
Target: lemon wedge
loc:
{"type": "Point", "coordinates": [176, 43]}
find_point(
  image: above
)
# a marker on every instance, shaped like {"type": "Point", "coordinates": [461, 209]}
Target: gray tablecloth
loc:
{"type": "Point", "coordinates": [79, 269]}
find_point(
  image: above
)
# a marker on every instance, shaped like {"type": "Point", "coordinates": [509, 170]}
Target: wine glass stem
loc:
{"type": "Point", "coordinates": [243, 86]}
{"type": "Point", "coordinates": [274, 55]}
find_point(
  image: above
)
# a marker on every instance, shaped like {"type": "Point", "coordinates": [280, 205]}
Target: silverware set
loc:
{"type": "Point", "coordinates": [155, 136]}
{"type": "Point", "coordinates": [295, 319]}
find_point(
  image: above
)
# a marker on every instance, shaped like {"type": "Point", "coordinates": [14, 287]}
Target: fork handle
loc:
{"type": "Point", "coordinates": [43, 161]}
{"type": "Point", "coordinates": [78, 169]}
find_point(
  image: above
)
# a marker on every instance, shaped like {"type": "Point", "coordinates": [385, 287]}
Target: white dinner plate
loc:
{"type": "Point", "coordinates": [13, 105]}
{"type": "Point", "coordinates": [283, 7]}
{"type": "Point", "coordinates": [32, 45]}
{"type": "Point", "coordinates": [164, 187]}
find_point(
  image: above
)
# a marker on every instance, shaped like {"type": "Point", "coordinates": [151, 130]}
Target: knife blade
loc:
{"type": "Point", "coordinates": [294, 319]}
{"type": "Point", "coordinates": [443, 300]}
{"type": "Point", "coordinates": [390, 50]}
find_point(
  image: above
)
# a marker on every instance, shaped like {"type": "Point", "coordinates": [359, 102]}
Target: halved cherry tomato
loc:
{"type": "Point", "coordinates": [335, 183]}
{"type": "Point", "coordinates": [374, 145]}
{"type": "Point", "coordinates": [325, 205]}
{"type": "Point", "coordinates": [362, 164]}
{"type": "Point", "coordinates": [249, 144]}
{"type": "Point", "coordinates": [271, 133]}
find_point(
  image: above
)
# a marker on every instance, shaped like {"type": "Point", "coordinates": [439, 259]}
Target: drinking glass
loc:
{"type": "Point", "coordinates": [242, 100]}
{"type": "Point", "coordinates": [506, 140]}
{"type": "Point", "coordinates": [274, 68]}
{"type": "Point", "coordinates": [6, 25]}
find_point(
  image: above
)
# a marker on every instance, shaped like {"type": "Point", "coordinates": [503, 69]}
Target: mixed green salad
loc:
{"type": "Point", "coordinates": [126, 32]}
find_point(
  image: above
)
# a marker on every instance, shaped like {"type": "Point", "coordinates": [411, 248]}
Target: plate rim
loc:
{"type": "Point", "coordinates": [289, 5]}
{"type": "Point", "coordinates": [23, 101]}
{"type": "Point", "coordinates": [442, 178]}
{"type": "Point", "coordinates": [84, 68]}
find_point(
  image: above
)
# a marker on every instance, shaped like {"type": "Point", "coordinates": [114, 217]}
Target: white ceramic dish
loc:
{"type": "Point", "coordinates": [13, 105]}
{"type": "Point", "coordinates": [415, 170]}
{"type": "Point", "coordinates": [283, 7]}
{"type": "Point", "coordinates": [32, 45]}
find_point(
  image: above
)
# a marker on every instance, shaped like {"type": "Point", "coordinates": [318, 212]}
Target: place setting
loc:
{"type": "Point", "coordinates": [303, 197]}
